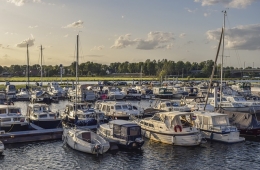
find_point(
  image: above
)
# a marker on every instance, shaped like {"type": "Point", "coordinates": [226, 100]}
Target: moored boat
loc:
{"type": "Point", "coordinates": [215, 126]}
{"type": "Point", "coordinates": [124, 133]}
{"type": "Point", "coordinates": [171, 128]}
{"type": "Point", "coordinates": [85, 140]}
{"type": "Point", "coordinates": [41, 115]}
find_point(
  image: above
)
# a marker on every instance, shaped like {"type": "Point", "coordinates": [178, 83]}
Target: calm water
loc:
{"type": "Point", "coordinates": [153, 155]}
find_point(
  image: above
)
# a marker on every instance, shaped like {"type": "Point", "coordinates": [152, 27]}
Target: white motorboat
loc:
{"type": "Point", "coordinates": [114, 93]}
{"type": "Point", "coordinates": [172, 105]}
{"type": "Point", "coordinates": [2, 147]}
{"type": "Point", "coordinates": [124, 133]}
{"type": "Point", "coordinates": [55, 90]}
{"type": "Point", "coordinates": [228, 105]}
{"type": "Point", "coordinates": [85, 140]}
{"type": "Point", "coordinates": [131, 93]}
{"type": "Point", "coordinates": [171, 128]}
{"type": "Point", "coordinates": [11, 119]}
{"type": "Point", "coordinates": [40, 96]}
{"type": "Point", "coordinates": [10, 91]}
{"type": "Point", "coordinates": [23, 95]}
{"type": "Point", "coordinates": [198, 103]}
{"type": "Point", "coordinates": [215, 126]}
{"type": "Point", "coordinates": [119, 110]}
{"type": "Point", "coordinates": [83, 114]}
{"type": "Point", "coordinates": [41, 115]}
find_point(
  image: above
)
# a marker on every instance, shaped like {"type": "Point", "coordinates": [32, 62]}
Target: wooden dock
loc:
{"type": "Point", "coordinates": [31, 135]}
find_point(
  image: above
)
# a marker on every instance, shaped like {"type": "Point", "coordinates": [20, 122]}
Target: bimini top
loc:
{"type": "Point", "coordinates": [209, 114]}
{"type": "Point", "coordinates": [123, 122]}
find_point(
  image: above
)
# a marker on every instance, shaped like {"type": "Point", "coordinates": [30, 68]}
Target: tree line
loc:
{"type": "Point", "coordinates": [159, 68]}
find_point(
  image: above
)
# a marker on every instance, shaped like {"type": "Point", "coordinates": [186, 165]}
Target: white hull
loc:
{"type": "Point", "coordinates": [2, 147]}
{"type": "Point", "coordinates": [232, 137]}
{"type": "Point", "coordinates": [237, 109]}
{"type": "Point", "coordinates": [85, 146]}
{"type": "Point", "coordinates": [182, 140]}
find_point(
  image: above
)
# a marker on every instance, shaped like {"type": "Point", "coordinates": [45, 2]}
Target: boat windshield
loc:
{"type": "Point", "coordinates": [134, 131]}
{"type": "Point", "coordinates": [220, 121]}
{"type": "Point", "coordinates": [45, 109]}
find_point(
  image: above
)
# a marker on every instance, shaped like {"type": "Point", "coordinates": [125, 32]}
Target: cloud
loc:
{"type": "Point", "coordinates": [123, 41]}
{"type": "Point", "coordinates": [31, 27]}
{"type": "Point", "coordinates": [191, 11]}
{"type": "Point", "coordinates": [66, 35]}
{"type": "Point", "coordinates": [29, 41]}
{"type": "Point", "coordinates": [154, 40]}
{"type": "Point", "coordinates": [122, 16]}
{"type": "Point", "coordinates": [97, 48]}
{"type": "Point", "coordinates": [227, 3]}
{"type": "Point", "coordinates": [182, 35]}
{"type": "Point", "coordinates": [206, 14]}
{"type": "Point", "coordinates": [243, 37]}
{"type": "Point", "coordinates": [22, 2]}
{"type": "Point", "coordinates": [77, 24]}
{"type": "Point", "coordinates": [9, 33]}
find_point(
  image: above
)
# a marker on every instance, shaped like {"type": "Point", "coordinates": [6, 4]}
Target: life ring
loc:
{"type": "Point", "coordinates": [177, 126]}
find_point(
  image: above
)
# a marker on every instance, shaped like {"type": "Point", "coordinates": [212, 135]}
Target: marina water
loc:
{"type": "Point", "coordinates": [153, 155]}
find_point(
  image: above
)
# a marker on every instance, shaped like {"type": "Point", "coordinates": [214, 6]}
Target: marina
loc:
{"type": "Point", "coordinates": [146, 94]}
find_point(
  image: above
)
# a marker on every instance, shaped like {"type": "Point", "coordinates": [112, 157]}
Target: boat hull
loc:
{"type": "Point", "coordinates": [192, 139]}
{"type": "Point", "coordinates": [47, 124]}
{"type": "Point", "coordinates": [231, 137]}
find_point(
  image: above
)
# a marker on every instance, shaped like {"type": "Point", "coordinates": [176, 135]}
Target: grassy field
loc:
{"type": "Point", "coordinates": [50, 79]}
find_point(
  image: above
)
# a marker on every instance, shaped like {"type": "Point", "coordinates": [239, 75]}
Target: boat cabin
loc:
{"type": "Point", "coordinates": [213, 121]}
{"type": "Point", "coordinates": [125, 130]}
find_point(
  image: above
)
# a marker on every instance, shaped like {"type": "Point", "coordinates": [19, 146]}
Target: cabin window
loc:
{"type": "Point", "coordinates": [112, 107]}
{"type": "Point", "coordinates": [118, 107]}
{"type": "Point", "coordinates": [52, 115]}
{"type": "Point", "coordinates": [117, 130]}
{"type": "Point", "coordinates": [14, 111]}
{"type": "Point", "coordinates": [108, 108]}
{"type": "Point", "coordinates": [134, 131]}
{"type": "Point", "coordinates": [5, 119]}
{"type": "Point", "coordinates": [219, 121]}
{"type": "Point", "coordinates": [104, 108]}
{"type": "Point", "coordinates": [167, 104]}
{"type": "Point", "coordinates": [157, 118]}
{"type": "Point", "coordinates": [141, 122]}
{"type": "Point", "coordinates": [145, 123]}
{"type": "Point", "coordinates": [16, 119]}
{"type": "Point", "coordinates": [43, 116]}
{"type": "Point", "coordinates": [151, 125]}
{"type": "Point", "coordinates": [2, 111]}
{"type": "Point", "coordinates": [36, 109]}
{"type": "Point", "coordinates": [123, 132]}
{"type": "Point", "coordinates": [205, 121]}
{"type": "Point", "coordinates": [124, 107]}
{"type": "Point", "coordinates": [135, 108]}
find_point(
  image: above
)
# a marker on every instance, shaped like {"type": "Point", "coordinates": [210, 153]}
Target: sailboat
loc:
{"type": "Point", "coordinates": [213, 125]}
{"type": "Point", "coordinates": [83, 139]}
{"type": "Point", "coordinates": [40, 95]}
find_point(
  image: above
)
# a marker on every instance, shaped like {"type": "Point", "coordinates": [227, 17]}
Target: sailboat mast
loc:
{"type": "Point", "coordinates": [28, 71]}
{"type": "Point", "coordinates": [41, 64]}
{"type": "Point", "coordinates": [77, 61]}
{"type": "Point", "coordinates": [223, 46]}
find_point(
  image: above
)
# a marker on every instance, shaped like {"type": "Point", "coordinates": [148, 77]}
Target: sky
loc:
{"type": "Point", "coordinates": [129, 30]}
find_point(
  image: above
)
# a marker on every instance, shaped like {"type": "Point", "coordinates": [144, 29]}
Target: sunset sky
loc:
{"type": "Point", "coordinates": [128, 30]}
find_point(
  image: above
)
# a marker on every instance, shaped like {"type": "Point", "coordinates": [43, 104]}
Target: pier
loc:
{"type": "Point", "coordinates": [31, 135]}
